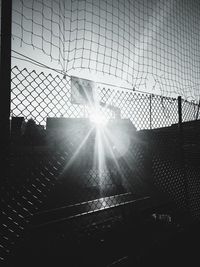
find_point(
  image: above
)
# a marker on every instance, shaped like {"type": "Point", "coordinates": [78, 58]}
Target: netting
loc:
{"type": "Point", "coordinates": [150, 45]}
{"type": "Point", "coordinates": [40, 24]}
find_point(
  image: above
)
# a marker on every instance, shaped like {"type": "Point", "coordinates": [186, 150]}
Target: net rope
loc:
{"type": "Point", "coordinates": [151, 45]}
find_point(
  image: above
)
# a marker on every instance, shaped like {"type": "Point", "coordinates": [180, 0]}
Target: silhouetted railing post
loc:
{"type": "Point", "coordinates": [197, 114]}
{"type": "Point", "coordinates": [5, 74]}
{"type": "Point", "coordinates": [180, 111]}
{"type": "Point", "coordinates": [150, 111]}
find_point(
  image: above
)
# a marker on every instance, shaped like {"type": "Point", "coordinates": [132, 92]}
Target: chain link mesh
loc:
{"type": "Point", "coordinates": [38, 95]}
{"type": "Point", "coordinates": [40, 181]}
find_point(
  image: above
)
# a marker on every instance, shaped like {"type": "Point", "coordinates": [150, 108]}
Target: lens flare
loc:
{"type": "Point", "coordinates": [98, 119]}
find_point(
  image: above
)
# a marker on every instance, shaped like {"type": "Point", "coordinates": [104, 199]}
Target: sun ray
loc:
{"type": "Point", "coordinates": [108, 140]}
{"type": "Point", "coordinates": [76, 153]}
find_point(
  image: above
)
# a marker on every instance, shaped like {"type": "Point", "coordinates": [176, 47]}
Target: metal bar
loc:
{"type": "Point", "coordinates": [179, 110]}
{"type": "Point", "coordinates": [84, 209]}
{"type": "Point", "coordinates": [5, 78]}
{"type": "Point", "coordinates": [197, 114]}
{"type": "Point", "coordinates": [150, 111]}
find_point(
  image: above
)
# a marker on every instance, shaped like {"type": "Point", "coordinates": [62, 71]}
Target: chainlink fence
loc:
{"type": "Point", "coordinates": [39, 95]}
{"type": "Point", "coordinates": [160, 165]}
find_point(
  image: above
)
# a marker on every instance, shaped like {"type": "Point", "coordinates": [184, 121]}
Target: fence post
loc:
{"type": "Point", "coordinates": [197, 114]}
{"type": "Point", "coordinates": [180, 111]}
{"type": "Point", "coordinates": [150, 111]}
{"type": "Point", "coordinates": [5, 79]}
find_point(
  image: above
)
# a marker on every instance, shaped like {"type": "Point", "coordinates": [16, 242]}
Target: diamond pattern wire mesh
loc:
{"type": "Point", "coordinates": [170, 167]}
{"type": "Point", "coordinates": [40, 95]}
{"type": "Point", "coordinates": [190, 111]}
{"type": "Point", "coordinates": [39, 178]}
{"type": "Point", "coordinates": [163, 110]}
